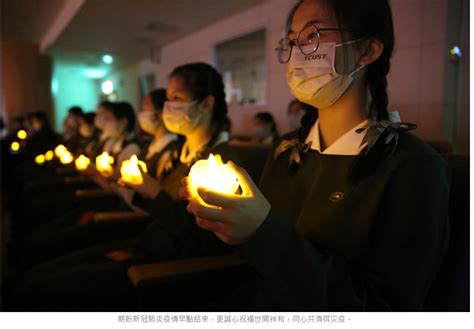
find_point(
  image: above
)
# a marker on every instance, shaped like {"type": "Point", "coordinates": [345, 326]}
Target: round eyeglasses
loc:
{"type": "Point", "coordinates": [308, 42]}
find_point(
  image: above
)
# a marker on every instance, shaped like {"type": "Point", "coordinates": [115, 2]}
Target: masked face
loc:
{"type": "Point", "coordinates": [261, 132]}
{"type": "Point", "coordinates": [313, 79]}
{"type": "Point", "coordinates": [149, 122]}
{"type": "Point", "coordinates": [36, 125]}
{"type": "Point", "coordinates": [181, 117]}
{"type": "Point", "coordinates": [86, 131]}
{"type": "Point", "coordinates": [114, 129]}
{"type": "Point", "coordinates": [294, 119]}
{"type": "Point", "coordinates": [99, 121]}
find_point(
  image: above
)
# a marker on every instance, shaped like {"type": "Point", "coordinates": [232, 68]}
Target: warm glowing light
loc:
{"type": "Point", "coordinates": [130, 172]}
{"type": "Point", "coordinates": [66, 158]}
{"type": "Point", "coordinates": [213, 175]}
{"type": "Point", "coordinates": [21, 134]}
{"type": "Point", "coordinates": [60, 150]}
{"type": "Point", "coordinates": [108, 87]}
{"type": "Point", "coordinates": [15, 146]}
{"type": "Point", "coordinates": [104, 164]}
{"type": "Point", "coordinates": [48, 156]}
{"type": "Point", "coordinates": [82, 162]}
{"type": "Point", "coordinates": [40, 159]}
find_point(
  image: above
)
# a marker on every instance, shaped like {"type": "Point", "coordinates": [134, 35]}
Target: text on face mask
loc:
{"type": "Point", "coordinates": [314, 57]}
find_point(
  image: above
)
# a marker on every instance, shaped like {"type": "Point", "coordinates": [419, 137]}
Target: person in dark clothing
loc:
{"type": "Point", "coordinates": [297, 111]}
{"type": "Point", "coordinates": [196, 109]}
{"type": "Point", "coordinates": [352, 211]}
{"type": "Point", "coordinates": [52, 198]}
{"type": "Point", "coordinates": [70, 134]}
{"type": "Point", "coordinates": [264, 128]}
{"type": "Point", "coordinates": [40, 135]}
{"type": "Point", "coordinates": [150, 120]}
{"type": "Point", "coordinates": [87, 133]}
{"type": "Point", "coordinates": [96, 145]}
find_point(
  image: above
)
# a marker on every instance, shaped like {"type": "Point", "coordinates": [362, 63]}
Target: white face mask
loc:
{"type": "Point", "coordinates": [178, 119]}
{"type": "Point", "coordinates": [313, 79]}
{"type": "Point", "coordinates": [149, 122]}
{"type": "Point", "coordinates": [261, 132]}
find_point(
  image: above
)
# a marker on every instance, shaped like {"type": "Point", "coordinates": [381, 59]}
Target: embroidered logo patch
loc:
{"type": "Point", "coordinates": [336, 196]}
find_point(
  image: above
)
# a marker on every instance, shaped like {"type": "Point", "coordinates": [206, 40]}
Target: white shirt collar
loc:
{"type": "Point", "coordinates": [158, 144]}
{"type": "Point", "coordinates": [348, 144]}
{"type": "Point", "coordinates": [187, 156]}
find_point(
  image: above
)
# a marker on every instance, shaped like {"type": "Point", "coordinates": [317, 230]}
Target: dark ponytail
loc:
{"type": "Point", "coordinates": [203, 80]}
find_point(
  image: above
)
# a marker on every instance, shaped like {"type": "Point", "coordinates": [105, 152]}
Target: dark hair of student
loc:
{"type": "Point", "coordinates": [158, 98]}
{"type": "Point", "coordinates": [202, 80]}
{"type": "Point", "coordinates": [369, 19]}
{"type": "Point", "coordinates": [123, 110]}
{"type": "Point", "coordinates": [107, 106]}
{"type": "Point", "coordinates": [76, 110]}
{"type": "Point", "coordinates": [89, 117]}
{"type": "Point", "coordinates": [43, 118]}
{"type": "Point", "coordinates": [267, 118]}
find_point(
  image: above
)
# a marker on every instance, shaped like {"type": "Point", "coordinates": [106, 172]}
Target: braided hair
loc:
{"type": "Point", "coordinates": [368, 19]}
{"type": "Point", "coordinates": [371, 19]}
{"type": "Point", "coordinates": [202, 80]}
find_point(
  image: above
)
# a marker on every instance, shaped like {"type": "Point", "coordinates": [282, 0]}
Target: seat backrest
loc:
{"type": "Point", "coordinates": [253, 159]}
{"type": "Point", "coordinates": [450, 290]}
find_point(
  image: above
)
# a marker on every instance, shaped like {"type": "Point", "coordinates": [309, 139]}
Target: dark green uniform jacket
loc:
{"type": "Point", "coordinates": [174, 233]}
{"type": "Point", "coordinates": [332, 242]}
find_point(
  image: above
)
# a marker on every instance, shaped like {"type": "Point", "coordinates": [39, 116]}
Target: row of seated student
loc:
{"type": "Point", "coordinates": [351, 212]}
{"type": "Point", "coordinates": [53, 231]}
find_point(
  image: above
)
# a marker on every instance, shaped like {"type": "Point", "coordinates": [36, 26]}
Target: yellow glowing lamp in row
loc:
{"type": "Point", "coordinates": [104, 164]}
{"type": "Point", "coordinates": [60, 150]}
{"type": "Point", "coordinates": [82, 162]}
{"type": "Point", "coordinates": [15, 147]}
{"type": "Point", "coordinates": [66, 158]}
{"type": "Point", "coordinates": [40, 159]}
{"type": "Point", "coordinates": [130, 172]}
{"type": "Point", "coordinates": [213, 175]}
{"type": "Point", "coordinates": [21, 134]}
{"type": "Point", "coordinates": [48, 156]}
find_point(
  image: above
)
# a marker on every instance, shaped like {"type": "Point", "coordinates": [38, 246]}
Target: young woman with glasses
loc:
{"type": "Point", "coordinates": [352, 211]}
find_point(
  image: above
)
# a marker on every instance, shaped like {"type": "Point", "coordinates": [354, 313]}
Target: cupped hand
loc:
{"type": "Point", "coordinates": [233, 218]}
{"type": "Point", "coordinates": [149, 188]}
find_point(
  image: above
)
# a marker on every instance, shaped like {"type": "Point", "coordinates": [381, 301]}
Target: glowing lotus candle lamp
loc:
{"type": "Point", "coordinates": [15, 146]}
{"type": "Point", "coordinates": [66, 158]}
{"type": "Point", "coordinates": [82, 162]}
{"type": "Point", "coordinates": [60, 150]}
{"type": "Point", "coordinates": [104, 164]}
{"type": "Point", "coordinates": [21, 134]}
{"type": "Point", "coordinates": [213, 175]}
{"type": "Point", "coordinates": [39, 159]}
{"type": "Point", "coordinates": [130, 172]}
{"type": "Point", "coordinates": [48, 156]}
